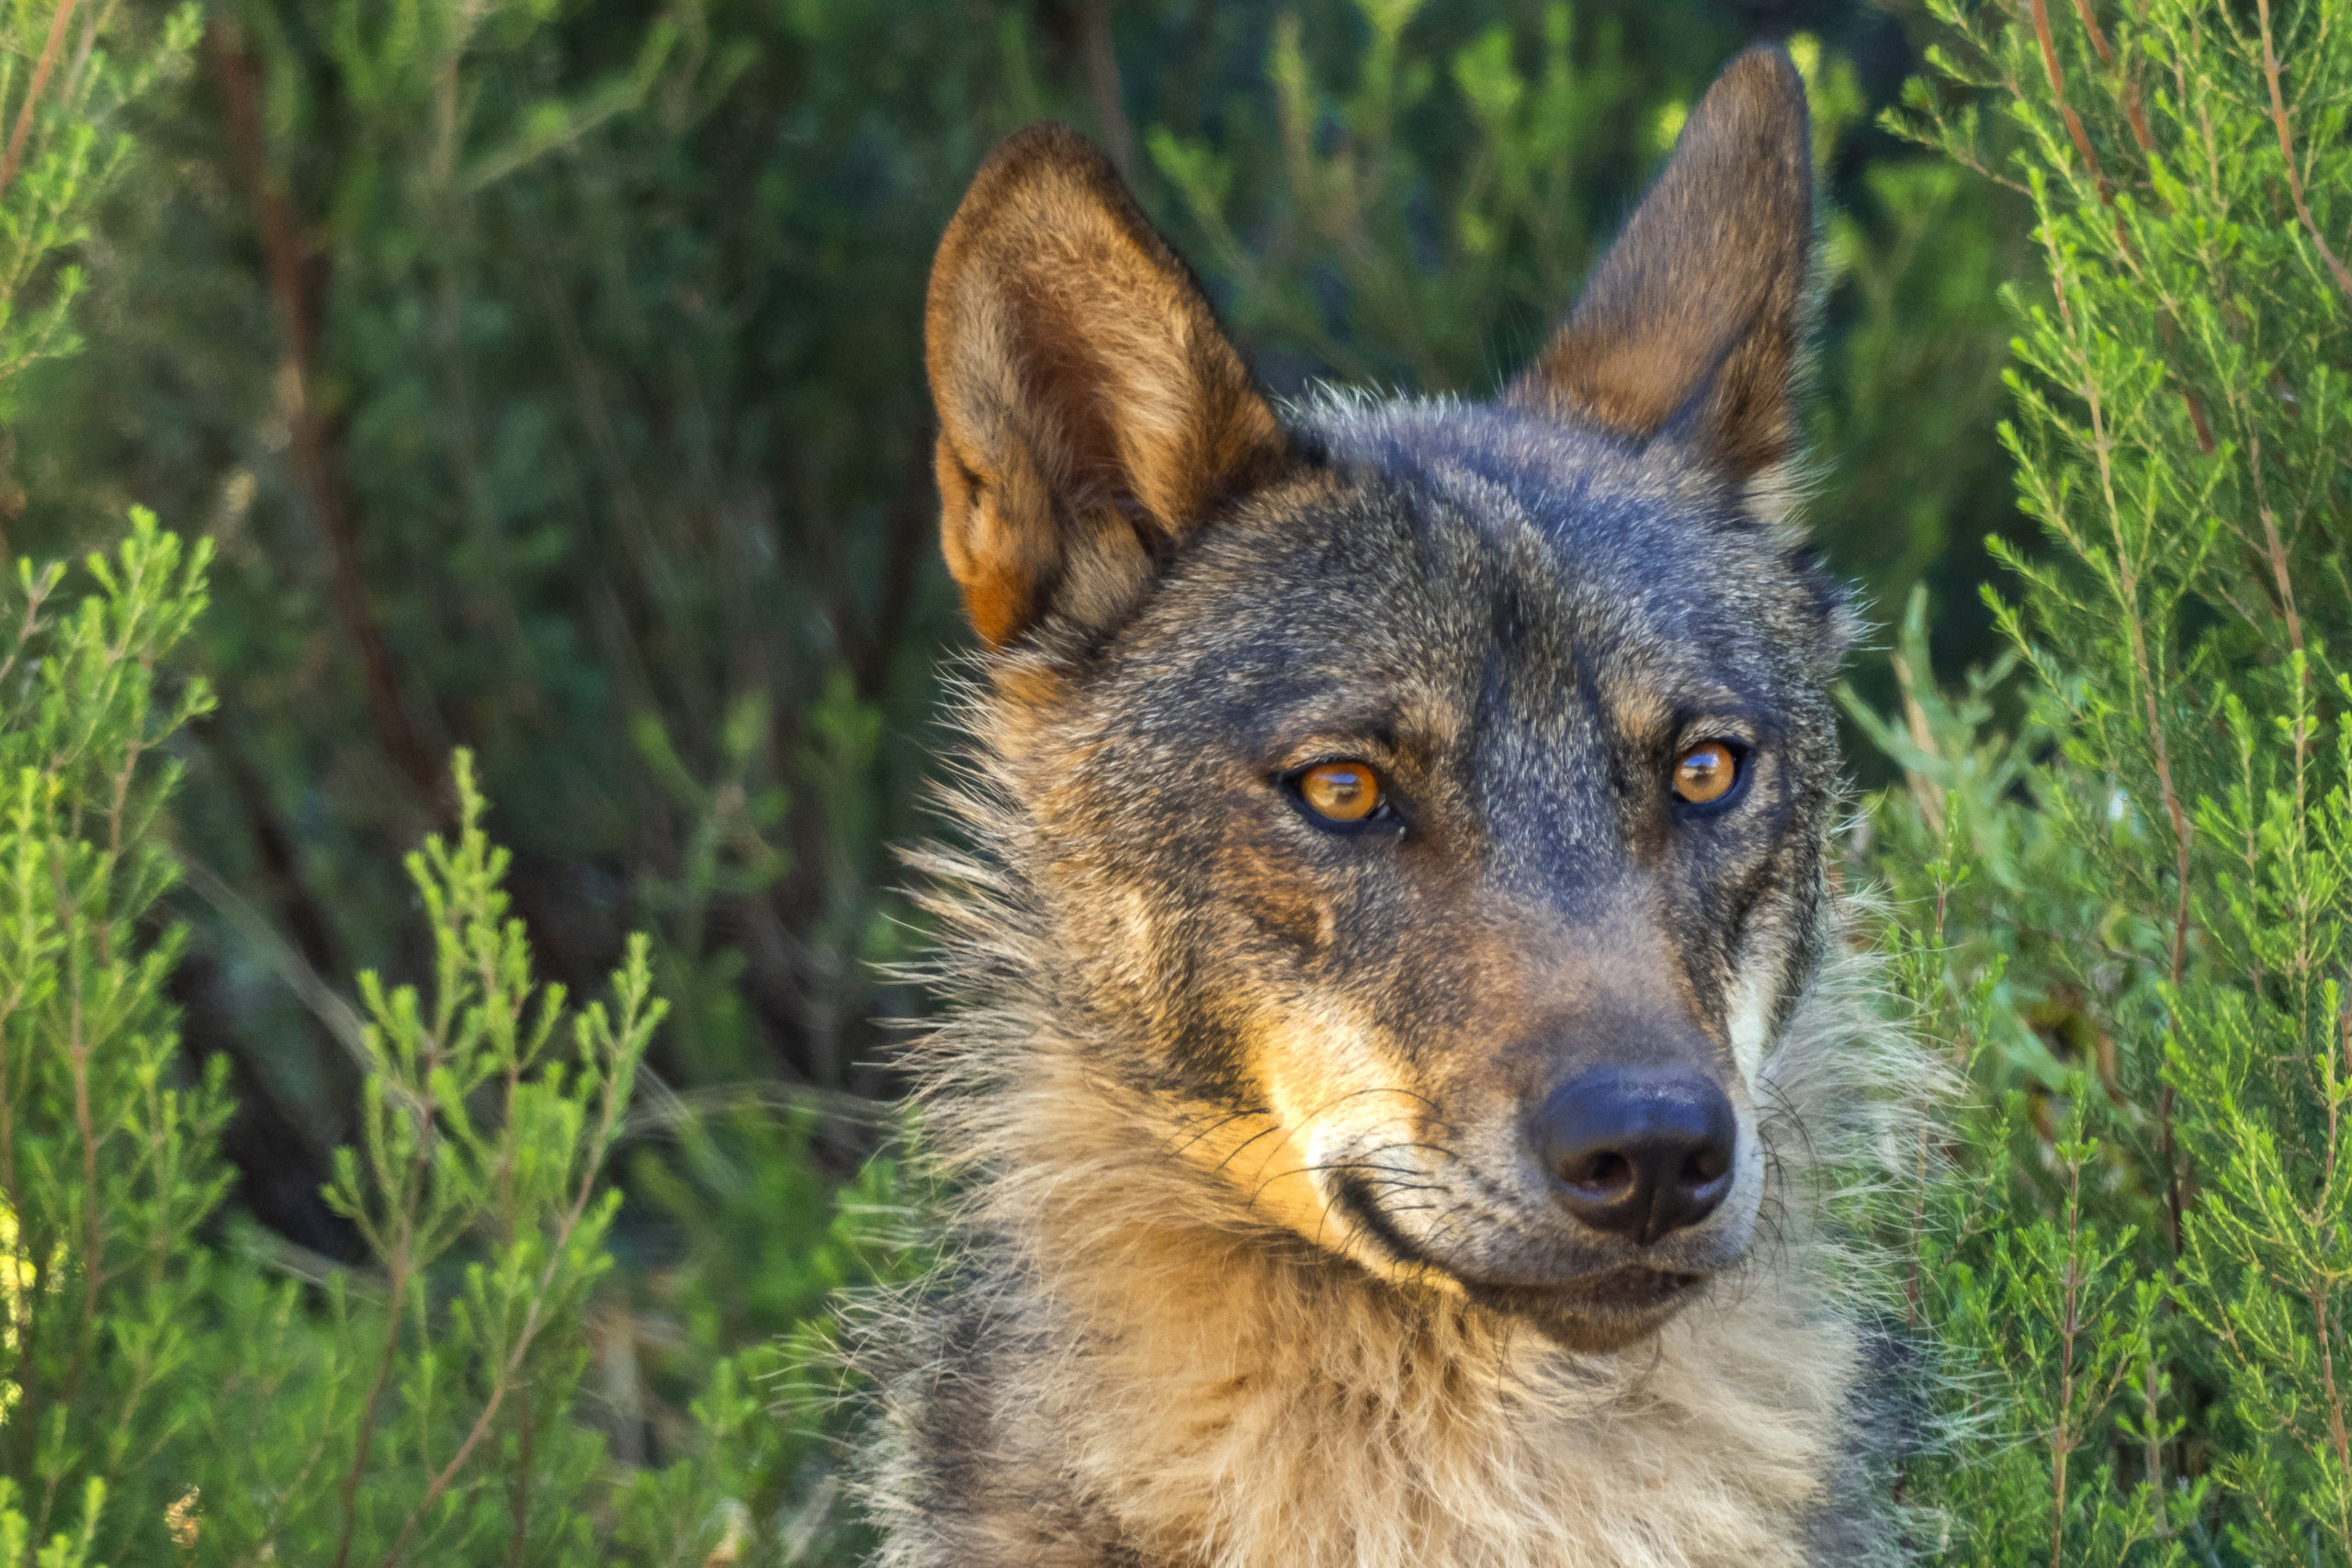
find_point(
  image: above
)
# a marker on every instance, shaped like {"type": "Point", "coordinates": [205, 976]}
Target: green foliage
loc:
{"type": "Point", "coordinates": [1909, 391]}
{"type": "Point", "coordinates": [764, 1239]}
{"type": "Point", "coordinates": [2129, 921]}
{"type": "Point", "coordinates": [163, 1399]}
{"type": "Point", "coordinates": [1509, 198]}
{"type": "Point", "coordinates": [543, 371]}
{"type": "Point", "coordinates": [62, 1550]}
{"type": "Point", "coordinates": [439, 1414]}
{"type": "Point", "coordinates": [65, 85]}
{"type": "Point", "coordinates": [106, 1159]}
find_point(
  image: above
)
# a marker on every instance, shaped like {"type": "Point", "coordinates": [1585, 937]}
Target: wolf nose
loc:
{"type": "Point", "coordinates": [1643, 1154]}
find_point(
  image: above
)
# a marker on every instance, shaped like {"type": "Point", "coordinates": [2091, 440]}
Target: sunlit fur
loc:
{"type": "Point", "coordinates": [1247, 1260]}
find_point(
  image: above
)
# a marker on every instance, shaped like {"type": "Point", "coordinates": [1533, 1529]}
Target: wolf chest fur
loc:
{"type": "Point", "coordinates": [1397, 1031]}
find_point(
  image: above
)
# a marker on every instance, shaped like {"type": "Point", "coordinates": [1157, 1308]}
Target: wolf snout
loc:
{"type": "Point", "coordinates": [1639, 1153]}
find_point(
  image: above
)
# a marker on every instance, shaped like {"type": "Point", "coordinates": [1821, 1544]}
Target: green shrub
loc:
{"type": "Point", "coordinates": [106, 1158]}
{"type": "Point", "coordinates": [178, 1391]}
{"type": "Point", "coordinates": [66, 86]}
{"type": "Point", "coordinates": [2128, 920]}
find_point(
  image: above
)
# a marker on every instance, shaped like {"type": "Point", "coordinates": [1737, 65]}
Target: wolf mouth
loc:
{"type": "Point", "coordinates": [1633, 1293]}
{"type": "Point", "coordinates": [1599, 1312]}
{"type": "Point", "coordinates": [1632, 1290]}
{"type": "Point", "coordinates": [1617, 1291]}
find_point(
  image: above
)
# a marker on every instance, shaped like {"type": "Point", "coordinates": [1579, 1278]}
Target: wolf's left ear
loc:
{"type": "Point", "coordinates": [1691, 325]}
{"type": "Point", "coordinates": [1091, 411]}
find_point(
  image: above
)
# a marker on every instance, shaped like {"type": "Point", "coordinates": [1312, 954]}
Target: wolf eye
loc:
{"type": "Point", "coordinates": [1705, 773]}
{"type": "Point", "coordinates": [1343, 792]}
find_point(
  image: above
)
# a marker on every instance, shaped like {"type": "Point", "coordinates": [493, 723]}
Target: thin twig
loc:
{"type": "Point", "coordinates": [2091, 160]}
{"type": "Point", "coordinates": [2278, 122]}
{"type": "Point", "coordinates": [2127, 593]}
{"type": "Point", "coordinates": [397, 1295]}
{"type": "Point", "coordinates": [2273, 547]}
{"type": "Point", "coordinates": [400, 1265]}
{"type": "Point", "coordinates": [33, 91]}
{"type": "Point", "coordinates": [282, 254]}
{"type": "Point", "coordinates": [1102, 86]}
{"type": "Point", "coordinates": [2058, 95]}
{"type": "Point", "coordinates": [2339, 1438]}
{"type": "Point", "coordinates": [519, 1508]}
{"type": "Point", "coordinates": [2062, 1436]}
{"type": "Point", "coordinates": [533, 1321]}
{"type": "Point", "coordinates": [324, 1001]}
{"type": "Point", "coordinates": [2130, 84]}
{"type": "Point", "coordinates": [86, 1127]}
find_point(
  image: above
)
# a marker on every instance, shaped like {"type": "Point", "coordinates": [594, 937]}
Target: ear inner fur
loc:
{"type": "Point", "coordinates": [1690, 324]}
{"type": "Point", "coordinates": [1090, 411]}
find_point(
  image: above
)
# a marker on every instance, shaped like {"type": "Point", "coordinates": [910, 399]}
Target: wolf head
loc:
{"type": "Point", "coordinates": [1421, 805]}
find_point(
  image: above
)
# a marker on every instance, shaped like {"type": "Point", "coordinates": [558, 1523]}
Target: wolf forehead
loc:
{"type": "Point", "coordinates": [1425, 542]}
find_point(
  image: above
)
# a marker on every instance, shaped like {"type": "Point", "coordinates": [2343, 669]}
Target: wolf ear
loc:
{"type": "Point", "coordinates": [1692, 322]}
{"type": "Point", "coordinates": [1091, 411]}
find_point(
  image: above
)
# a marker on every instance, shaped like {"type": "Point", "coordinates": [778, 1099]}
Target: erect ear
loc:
{"type": "Point", "coordinates": [1090, 413]}
{"type": "Point", "coordinates": [1690, 324]}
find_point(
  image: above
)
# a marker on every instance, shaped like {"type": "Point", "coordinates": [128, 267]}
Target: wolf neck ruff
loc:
{"type": "Point", "coordinates": [1398, 1039]}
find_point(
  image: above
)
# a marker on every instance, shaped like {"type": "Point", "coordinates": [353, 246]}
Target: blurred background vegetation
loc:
{"type": "Point", "coordinates": [546, 376]}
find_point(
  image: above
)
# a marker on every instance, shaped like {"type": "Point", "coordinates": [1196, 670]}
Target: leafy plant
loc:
{"type": "Point", "coordinates": [441, 1423]}
{"type": "Point", "coordinates": [164, 1397]}
{"type": "Point", "coordinates": [106, 1163]}
{"type": "Point", "coordinates": [66, 82]}
{"type": "Point", "coordinates": [2138, 911]}
{"type": "Point", "coordinates": [1338, 262]}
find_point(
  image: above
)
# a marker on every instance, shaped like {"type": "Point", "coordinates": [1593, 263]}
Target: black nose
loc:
{"type": "Point", "coordinates": [1640, 1153]}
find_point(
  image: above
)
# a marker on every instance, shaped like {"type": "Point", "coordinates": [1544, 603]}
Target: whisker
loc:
{"type": "Point", "coordinates": [1218, 1125]}
{"type": "Point", "coordinates": [1244, 1143]}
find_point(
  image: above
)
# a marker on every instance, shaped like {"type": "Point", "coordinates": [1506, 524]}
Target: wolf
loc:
{"type": "Point", "coordinates": [1399, 1035]}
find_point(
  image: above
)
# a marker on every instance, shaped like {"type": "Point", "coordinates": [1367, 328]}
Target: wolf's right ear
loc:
{"type": "Point", "coordinates": [1689, 326]}
{"type": "Point", "coordinates": [1091, 411]}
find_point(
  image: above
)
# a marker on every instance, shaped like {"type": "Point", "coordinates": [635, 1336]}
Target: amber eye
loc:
{"type": "Point", "coordinates": [1344, 791]}
{"type": "Point", "coordinates": [1705, 773]}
